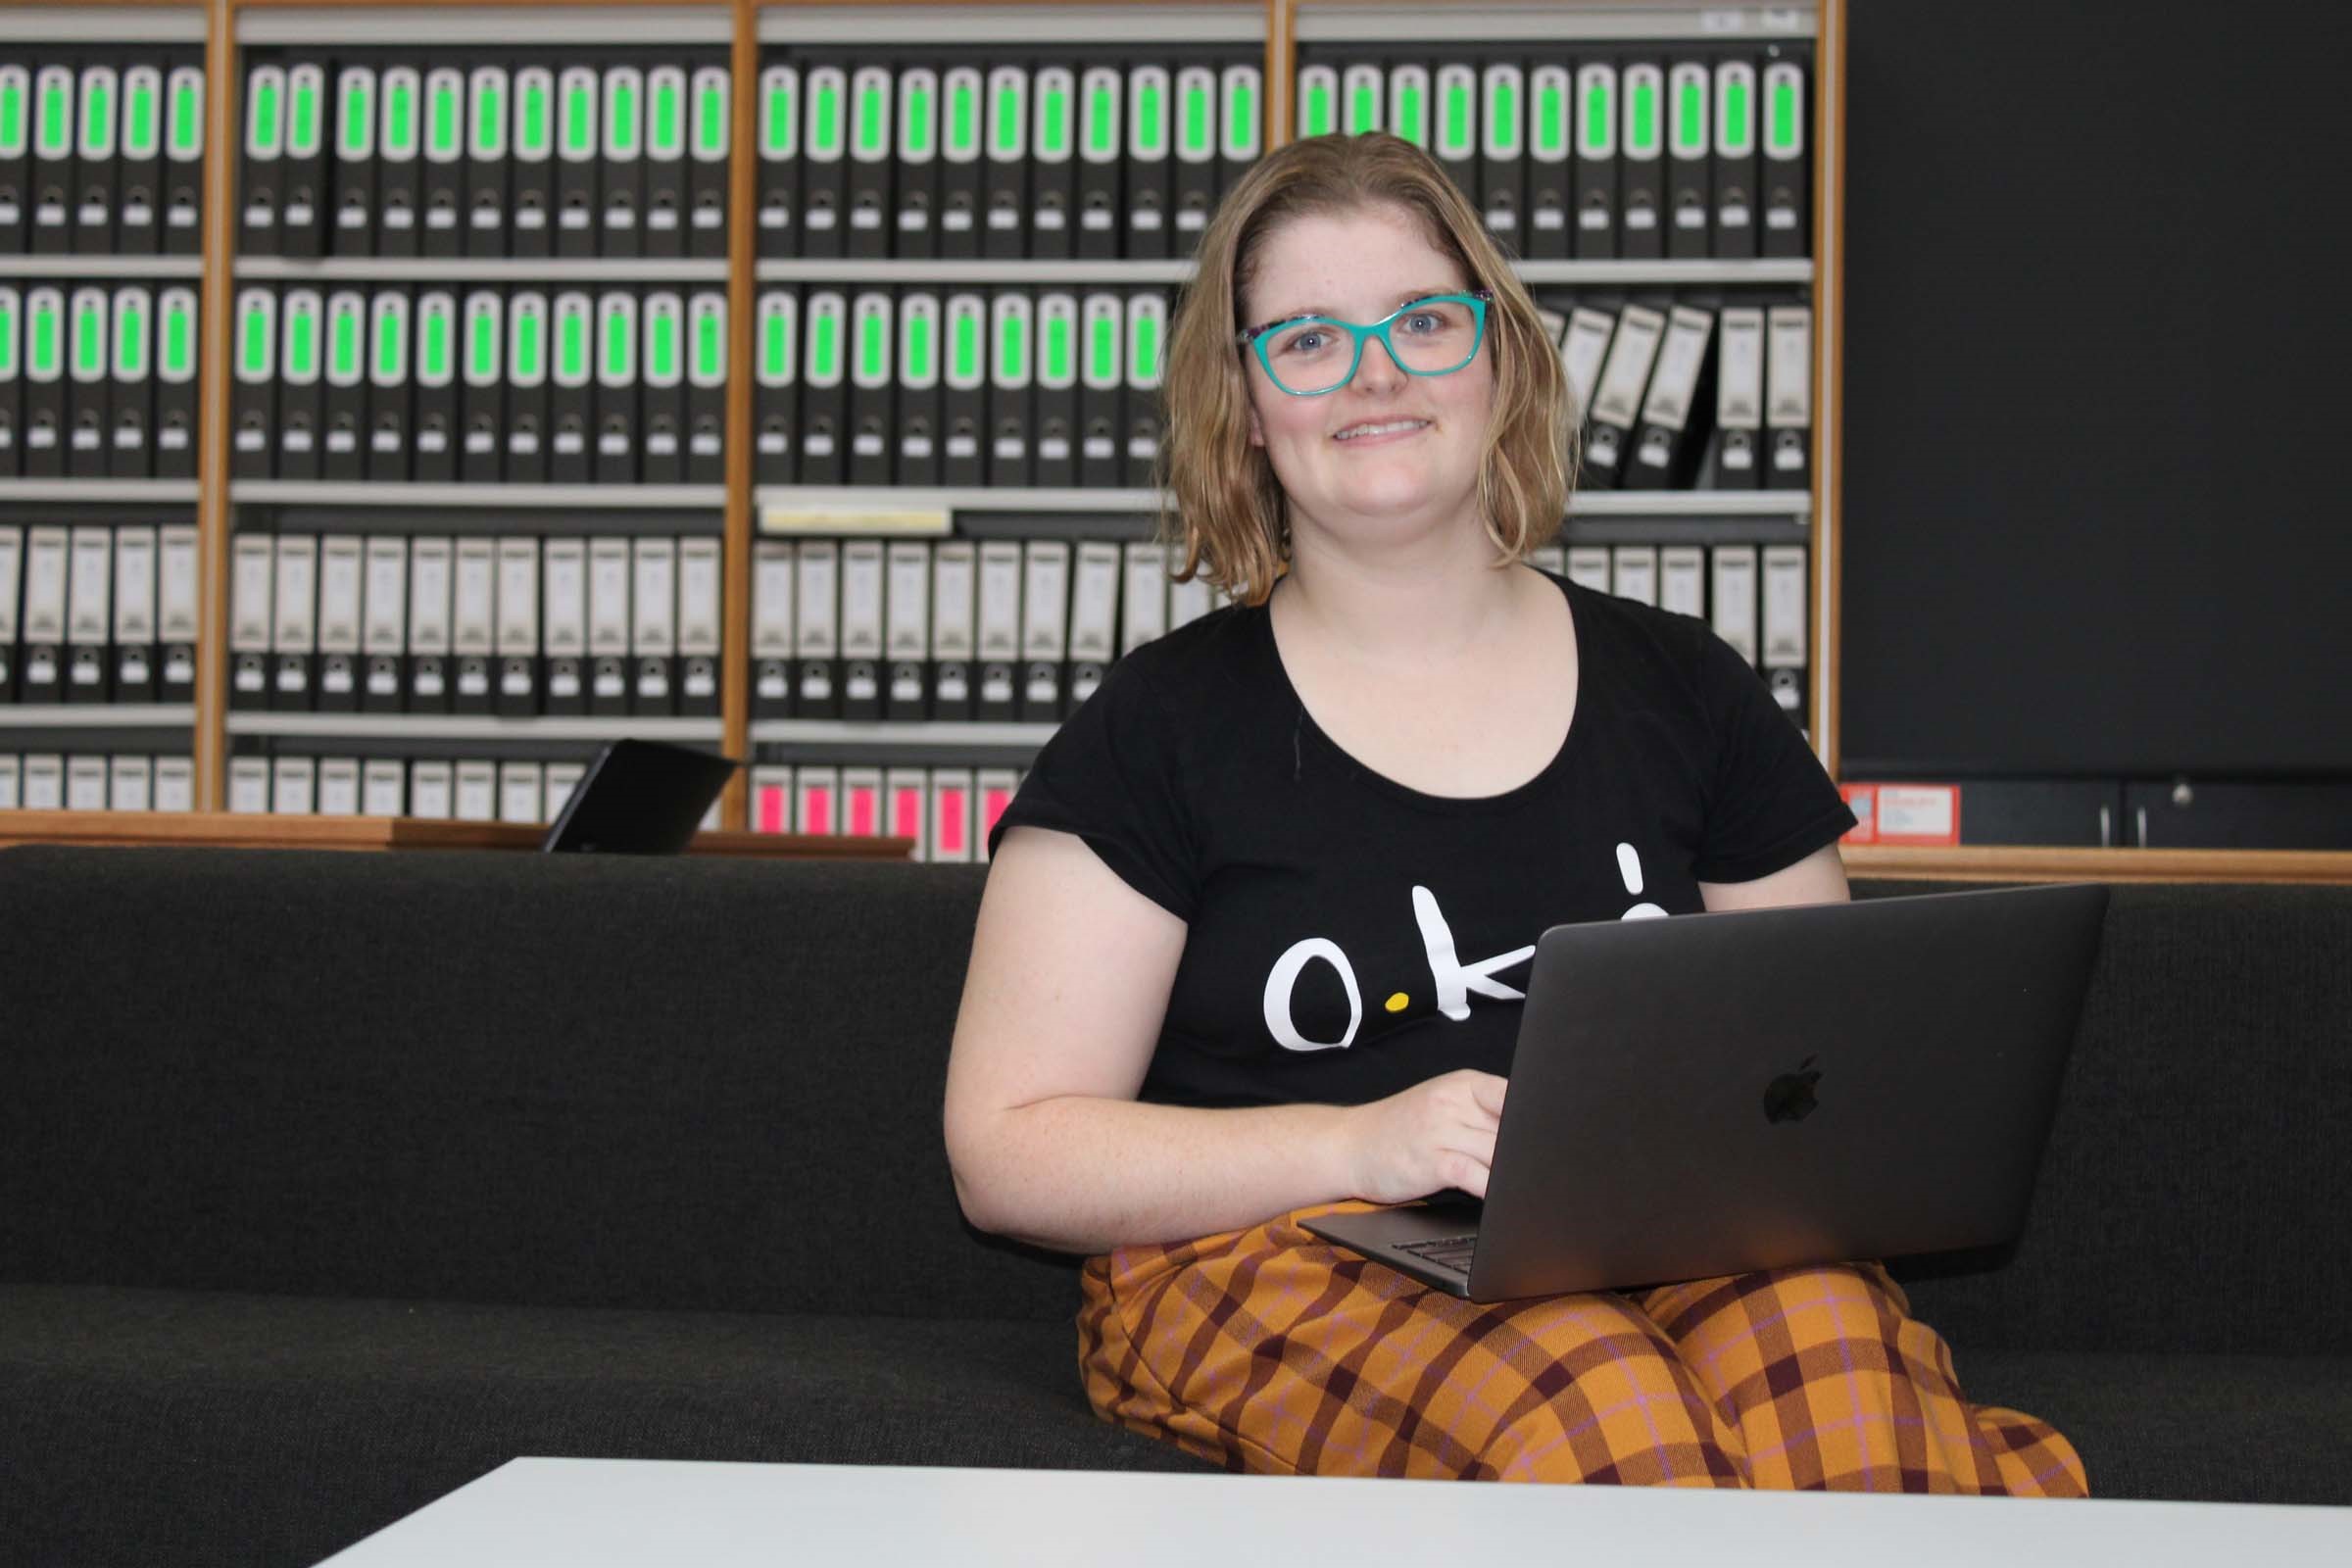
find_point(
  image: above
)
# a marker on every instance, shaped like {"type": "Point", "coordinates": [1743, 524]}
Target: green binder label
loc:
{"type": "Point", "coordinates": [97, 113]}
{"type": "Point", "coordinates": [444, 142]}
{"type": "Point", "coordinates": [1315, 109]}
{"type": "Point", "coordinates": [433, 348]}
{"type": "Point", "coordinates": [343, 330]}
{"type": "Point", "coordinates": [668, 134]}
{"type": "Point", "coordinates": [267, 129]}
{"type": "Point", "coordinates": [873, 136]}
{"type": "Point", "coordinates": [11, 115]}
{"type": "Point", "coordinates": [1102, 349]}
{"type": "Point", "coordinates": [710, 122]}
{"type": "Point", "coordinates": [825, 119]}
{"type": "Point", "coordinates": [303, 90]}
{"type": "Point", "coordinates": [1059, 367]}
{"type": "Point", "coordinates": [964, 120]}
{"type": "Point", "coordinates": [579, 122]}
{"type": "Point", "coordinates": [253, 351]}
{"type": "Point", "coordinates": [533, 125]}
{"type": "Point", "coordinates": [180, 342]}
{"type": "Point", "coordinates": [130, 339]}
{"type": "Point", "coordinates": [775, 348]}
{"type": "Point", "coordinates": [776, 124]}
{"type": "Point", "coordinates": [188, 115]}
{"type": "Point", "coordinates": [90, 340]}
{"type": "Point", "coordinates": [709, 346]}
{"type": "Point", "coordinates": [528, 346]}
{"type": "Point", "coordinates": [1200, 136]}
{"type": "Point", "coordinates": [967, 347]}
{"type": "Point", "coordinates": [662, 345]}
{"type": "Point", "coordinates": [302, 342]}
{"type": "Point", "coordinates": [1103, 121]}
{"type": "Point", "coordinates": [824, 346]}
{"type": "Point", "coordinates": [1364, 106]}
{"type": "Point", "coordinates": [45, 352]}
{"type": "Point", "coordinates": [400, 117]}
{"type": "Point", "coordinates": [142, 124]}
{"type": "Point", "coordinates": [1551, 121]}
{"type": "Point", "coordinates": [1053, 121]}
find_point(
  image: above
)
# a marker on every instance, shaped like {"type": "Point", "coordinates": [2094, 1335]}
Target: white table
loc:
{"type": "Point", "coordinates": [646, 1513]}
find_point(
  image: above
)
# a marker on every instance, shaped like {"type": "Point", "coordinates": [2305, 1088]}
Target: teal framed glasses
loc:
{"type": "Point", "coordinates": [1308, 356]}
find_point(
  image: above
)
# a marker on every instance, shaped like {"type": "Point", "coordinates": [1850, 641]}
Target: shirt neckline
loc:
{"type": "Point", "coordinates": [1421, 799]}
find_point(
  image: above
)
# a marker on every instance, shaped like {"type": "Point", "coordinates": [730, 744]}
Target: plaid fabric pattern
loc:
{"type": "Point", "coordinates": [1270, 1350]}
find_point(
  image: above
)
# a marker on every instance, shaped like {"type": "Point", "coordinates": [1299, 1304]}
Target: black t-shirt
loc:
{"type": "Point", "coordinates": [1350, 937]}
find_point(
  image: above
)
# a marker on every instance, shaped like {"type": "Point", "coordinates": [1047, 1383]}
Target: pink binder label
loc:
{"type": "Point", "coordinates": [952, 814]}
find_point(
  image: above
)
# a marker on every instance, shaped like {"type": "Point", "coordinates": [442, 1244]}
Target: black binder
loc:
{"type": "Point", "coordinates": [351, 206]}
{"type": "Point", "coordinates": [1102, 427]}
{"type": "Point", "coordinates": [52, 210]}
{"type": "Point", "coordinates": [388, 424]}
{"type": "Point", "coordinates": [1053, 160]}
{"type": "Point", "coordinates": [303, 179]}
{"type": "Point", "coordinates": [441, 201]}
{"type": "Point", "coordinates": [964, 98]}
{"type": "Point", "coordinates": [1057, 400]}
{"type": "Point", "coordinates": [571, 400]}
{"type": "Point", "coordinates": [914, 205]}
{"type": "Point", "coordinates": [1149, 220]}
{"type": "Point", "coordinates": [580, 144]}
{"type": "Point", "coordinates": [301, 393]}
{"type": "Point", "coordinates": [824, 391]}
{"type": "Point", "coordinates": [707, 387]}
{"type": "Point", "coordinates": [616, 426]}
{"type": "Point", "coordinates": [1242, 98]}
{"type": "Point", "coordinates": [182, 194]}
{"type": "Point", "coordinates": [526, 383]}
{"type": "Point", "coordinates": [531, 168]}
{"type": "Point", "coordinates": [1788, 213]}
{"type": "Point", "coordinates": [779, 160]}
{"type": "Point", "coordinates": [12, 380]}
{"type": "Point", "coordinates": [481, 432]}
{"type": "Point", "coordinates": [706, 174]}
{"type": "Point", "coordinates": [1689, 159]}
{"type": "Point", "coordinates": [666, 199]}
{"type": "Point", "coordinates": [1594, 160]}
{"type": "Point", "coordinates": [139, 162]}
{"type": "Point", "coordinates": [16, 165]}
{"type": "Point", "coordinates": [487, 114]}
{"type": "Point", "coordinates": [1011, 341]}
{"type": "Point", "coordinates": [1453, 133]}
{"type": "Point", "coordinates": [98, 110]}
{"type": "Point", "coordinates": [1642, 162]}
{"type": "Point", "coordinates": [433, 425]}
{"type": "Point", "coordinates": [258, 195]}
{"type": "Point", "coordinates": [253, 403]}
{"type": "Point", "coordinates": [1102, 213]}
{"type": "Point", "coordinates": [1550, 131]}
{"type": "Point", "coordinates": [916, 429]}
{"type": "Point", "coordinates": [776, 406]}
{"type": "Point", "coordinates": [621, 178]}
{"type": "Point", "coordinates": [43, 422]}
{"type": "Point", "coordinates": [1193, 167]}
{"type": "Point", "coordinates": [1147, 350]}
{"type": "Point", "coordinates": [132, 412]}
{"type": "Point", "coordinates": [1671, 437]}
{"type": "Point", "coordinates": [964, 395]}
{"type": "Point", "coordinates": [87, 417]}
{"type": "Point", "coordinates": [825, 157]}
{"type": "Point", "coordinates": [866, 209]}
{"type": "Point", "coordinates": [399, 141]}
{"type": "Point", "coordinates": [172, 437]}
{"type": "Point", "coordinates": [1005, 173]}
{"type": "Point", "coordinates": [1732, 232]}
{"type": "Point", "coordinates": [343, 412]}
{"type": "Point", "coordinates": [872, 430]}
{"type": "Point", "coordinates": [662, 412]}
{"type": "Point", "coordinates": [1502, 153]}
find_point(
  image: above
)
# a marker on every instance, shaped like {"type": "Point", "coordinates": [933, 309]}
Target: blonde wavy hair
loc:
{"type": "Point", "coordinates": [1224, 513]}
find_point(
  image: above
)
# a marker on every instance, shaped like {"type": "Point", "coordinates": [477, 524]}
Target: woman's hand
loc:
{"type": "Point", "coordinates": [1435, 1135]}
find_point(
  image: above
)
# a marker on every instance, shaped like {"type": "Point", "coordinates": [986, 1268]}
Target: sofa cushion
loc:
{"type": "Point", "coordinates": [194, 1428]}
{"type": "Point", "coordinates": [2203, 1428]}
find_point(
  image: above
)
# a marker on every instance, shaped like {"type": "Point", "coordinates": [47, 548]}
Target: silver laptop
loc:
{"type": "Point", "coordinates": [1715, 1094]}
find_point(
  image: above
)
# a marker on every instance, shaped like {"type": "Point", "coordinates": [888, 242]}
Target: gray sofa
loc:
{"type": "Point", "coordinates": [331, 1181]}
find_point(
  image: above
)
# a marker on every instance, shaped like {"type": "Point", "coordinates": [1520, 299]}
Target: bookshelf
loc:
{"type": "Point", "coordinates": [1279, 36]}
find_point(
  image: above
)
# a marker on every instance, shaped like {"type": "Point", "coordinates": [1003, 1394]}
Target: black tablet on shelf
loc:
{"type": "Point", "coordinates": [640, 798]}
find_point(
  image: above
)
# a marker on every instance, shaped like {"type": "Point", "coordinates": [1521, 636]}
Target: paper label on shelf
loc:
{"type": "Point", "coordinates": [1911, 815]}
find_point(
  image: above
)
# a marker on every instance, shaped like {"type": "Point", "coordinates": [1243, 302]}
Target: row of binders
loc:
{"type": "Point", "coordinates": [1093, 156]}
{"type": "Point", "coordinates": [464, 790]}
{"type": "Point", "coordinates": [487, 386]}
{"type": "Point", "coordinates": [97, 382]}
{"type": "Point", "coordinates": [513, 626]}
{"type": "Point", "coordinates": [96, 614]}
{"type": "Point", "coordinates": [1683, 393]}
{"type": "Point", "coordinates": [124, 781]}
{"type": "Point", "coordinates": [948, 811]}
{"type": "Point", "coordinates": [1006, 388]}
{"type": "Point", "coordinates": [1634, 152]}
{"type": "Point", "coordinates": [1008, 630]}
{"type": "Point", "coordinates": [578, 153]}
{"type": "Point", "coordinates": [102, 152]}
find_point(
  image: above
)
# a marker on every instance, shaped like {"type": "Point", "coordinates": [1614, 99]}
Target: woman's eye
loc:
{"type": "Point", "coordinates": [1304, 343]}
{"type": "Point", "coordinates": [1421, 321]}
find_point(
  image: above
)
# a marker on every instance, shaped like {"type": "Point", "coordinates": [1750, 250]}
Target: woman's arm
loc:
{"type": "Point", "coordinates": [1062, 1006]}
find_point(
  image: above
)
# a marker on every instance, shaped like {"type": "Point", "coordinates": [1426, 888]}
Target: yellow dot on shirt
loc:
{"type": "Point", "coordinates": [1400, 1002]}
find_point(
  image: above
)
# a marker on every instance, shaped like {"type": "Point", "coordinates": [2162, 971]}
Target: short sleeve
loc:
{"type": "Point", "coordinates": [1769, 802]}
{"type": "Point", "coordinates": [1113, 775]}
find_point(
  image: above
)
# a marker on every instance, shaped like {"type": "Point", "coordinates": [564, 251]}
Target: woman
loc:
{"type": "Point", "coordinates": [1253, 940]}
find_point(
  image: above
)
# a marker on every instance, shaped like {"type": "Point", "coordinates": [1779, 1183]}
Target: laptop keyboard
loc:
{"type": "Point", "coordinates": [1445, 1252]}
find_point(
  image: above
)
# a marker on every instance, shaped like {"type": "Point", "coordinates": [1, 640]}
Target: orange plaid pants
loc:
{"type": "Point", "coordinates": [1271, 1351]}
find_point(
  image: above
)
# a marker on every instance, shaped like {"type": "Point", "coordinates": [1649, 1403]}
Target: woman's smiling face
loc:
{"type": "Point", "coordinates": [1387, 447]}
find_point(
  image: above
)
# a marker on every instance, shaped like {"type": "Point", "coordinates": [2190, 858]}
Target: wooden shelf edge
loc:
{"type": "Point", "coordinates": [1994, 862]}
{"type": "Point", "coordinates": [226, 830]}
